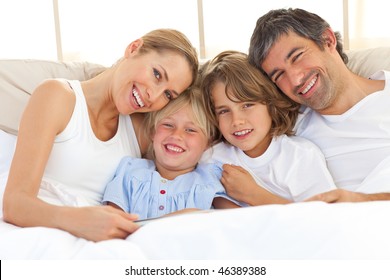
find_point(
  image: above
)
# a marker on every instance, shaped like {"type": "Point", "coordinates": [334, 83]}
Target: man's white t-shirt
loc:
{"type": "Point", "coordinates": [356, 144]}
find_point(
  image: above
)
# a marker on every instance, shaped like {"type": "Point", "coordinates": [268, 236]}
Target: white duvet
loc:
{"type": "Point", "coordinates": [311, 230]}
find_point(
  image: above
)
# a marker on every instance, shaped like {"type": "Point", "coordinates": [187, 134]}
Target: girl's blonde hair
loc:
{"type": "Point", "coordinates": [244, 83]}
{"type": "Point", "coordinates": [172, 40]}
{"type": "Point", "coordinates": [191, 98]}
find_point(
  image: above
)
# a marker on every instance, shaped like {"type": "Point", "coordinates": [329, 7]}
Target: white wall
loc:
{"type": "Point", "coordinates": [100, 30]}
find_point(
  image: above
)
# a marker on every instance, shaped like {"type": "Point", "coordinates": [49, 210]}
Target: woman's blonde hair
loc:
{"type": "Point", "coordinates": [191, 98]}
{"type": "Point", "coordinates": [172, 40]}
{"type": "Point", "coordinates": [244, 83]}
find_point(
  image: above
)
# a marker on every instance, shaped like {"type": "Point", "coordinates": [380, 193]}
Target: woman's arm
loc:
{"type": "Point", "coordinates": [43, 118]}
{"type": "Point", "coordinates": [49, 110]}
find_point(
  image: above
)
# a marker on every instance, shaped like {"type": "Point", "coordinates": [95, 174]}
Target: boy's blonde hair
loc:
{"type": "Point", "coordinates": [192, 98]}
{"type": "Point", "coordinates": [244, 83]}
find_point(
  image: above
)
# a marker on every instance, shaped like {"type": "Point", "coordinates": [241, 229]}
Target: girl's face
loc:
{"type": "Point", "coordinates": [147, 82]}
{"type": "Point", "coordinates": [245, 125]}
{"type": "Point", "coordinates": [178, 144]}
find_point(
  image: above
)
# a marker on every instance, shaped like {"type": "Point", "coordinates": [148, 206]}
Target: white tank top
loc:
{"type": "Point", "coordinates": [80, 165]}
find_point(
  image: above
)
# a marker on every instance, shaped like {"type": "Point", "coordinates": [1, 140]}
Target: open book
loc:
{"type": "Point", "coordinates": [181, 212]}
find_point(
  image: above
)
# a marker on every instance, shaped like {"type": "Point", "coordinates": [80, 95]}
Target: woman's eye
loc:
{"type": "Point", "coordinates": [168, 94]}
{"type": "Point", "coordinates": [157, 74]}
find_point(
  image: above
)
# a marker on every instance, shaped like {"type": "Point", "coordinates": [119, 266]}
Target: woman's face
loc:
{"type": "Point", "coordinates": [147, 82]}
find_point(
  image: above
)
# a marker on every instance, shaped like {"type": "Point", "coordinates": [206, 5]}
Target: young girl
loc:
{"type": "Point", "coordinates": [173, 180]}
{"type": "Point", "coordinates": [255, 124]}
{"type": "Point", "coordinates": [75, 133]}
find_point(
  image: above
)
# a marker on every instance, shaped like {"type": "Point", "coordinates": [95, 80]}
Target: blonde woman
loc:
{"type": "Point", "coordinates": [73, 135]}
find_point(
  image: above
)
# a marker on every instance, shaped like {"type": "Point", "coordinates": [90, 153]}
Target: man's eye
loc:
{"type": "Point", "coordinates": [157, 74]}
{"type": "Point", "coordinates": [297, 56]}
{"type": "Point", "coordinates": [276, 77]}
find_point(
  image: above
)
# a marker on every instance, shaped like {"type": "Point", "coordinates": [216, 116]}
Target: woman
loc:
{"type": "Point", "coordinates": [73, 135]}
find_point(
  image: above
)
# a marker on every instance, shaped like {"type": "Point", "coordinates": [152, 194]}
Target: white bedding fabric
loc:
{"type": "Point", "coordinates": [298, 231]}
{"type": "Point", "coordinates": [312, 230]}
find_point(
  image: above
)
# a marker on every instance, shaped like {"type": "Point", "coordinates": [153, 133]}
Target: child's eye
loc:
{"type": "Point", "coordinates": [192, 130]}
{"type": "Point", "coordinates": [169, 125]}
{"type": "Point", "coordinates": [248, 105]}
{"type": "Point", "coordinates": [221, 112]}
{"type": "Point", "coordinates": [157, 74]}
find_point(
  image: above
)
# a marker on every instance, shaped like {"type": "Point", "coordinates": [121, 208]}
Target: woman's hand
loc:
{"type": "Point", "coordinates": [101, 223]}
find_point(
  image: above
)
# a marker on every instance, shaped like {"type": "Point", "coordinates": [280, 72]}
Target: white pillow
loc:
{"type": "Point", "coordinates": [18, 79]}
{"type": "Point", "coordinates": [366, 62]}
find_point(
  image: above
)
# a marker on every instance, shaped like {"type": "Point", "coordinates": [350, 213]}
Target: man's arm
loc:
{"type": "Point", "coordinates": [341, 195]}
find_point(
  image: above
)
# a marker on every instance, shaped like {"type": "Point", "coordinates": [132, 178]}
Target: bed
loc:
{"type": "Point", "coordinates": [309, 230]}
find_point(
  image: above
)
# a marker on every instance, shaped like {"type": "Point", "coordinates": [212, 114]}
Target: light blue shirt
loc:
{"type": "Point", "coordinates": [139, 189]}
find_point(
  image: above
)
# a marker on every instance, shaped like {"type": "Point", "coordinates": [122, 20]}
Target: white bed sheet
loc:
{"type": "Point", "coordinates": [301, 231]}
{"type": "Point", "coordinates": [312, 230]}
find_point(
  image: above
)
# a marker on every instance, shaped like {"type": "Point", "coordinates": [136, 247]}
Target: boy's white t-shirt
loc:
{"type": "Point", "coordinates": [292, 167]}
{"type": "Point", "coordinates": [356, 144]}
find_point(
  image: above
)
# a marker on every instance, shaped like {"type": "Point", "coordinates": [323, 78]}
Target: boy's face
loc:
{"type": "Point", "coordinates": [245, 125]}
{"type": "Point", "coordinates": [178, 144]}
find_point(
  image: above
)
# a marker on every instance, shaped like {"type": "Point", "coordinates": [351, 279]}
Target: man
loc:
{"type": "Point", "coordinates": [346, 115]}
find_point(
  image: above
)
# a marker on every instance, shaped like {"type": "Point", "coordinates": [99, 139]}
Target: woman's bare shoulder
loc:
{"type": "Point", "coordinates": [50, 86]}
{"type": "Point", "coordinates": [51, 102]}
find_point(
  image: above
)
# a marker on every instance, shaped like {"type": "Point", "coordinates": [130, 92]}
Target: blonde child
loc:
{"type": "Point", "coordinates": [255, 123]}
{"type": "Point", "coordinates": [172, 180]}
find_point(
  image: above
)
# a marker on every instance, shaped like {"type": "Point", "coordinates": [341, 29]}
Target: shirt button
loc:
{"type": "Point", "coordinates": [162, 191]}
{"type": "Point", "coordinates": [161, 207]}
{"type": "Point", "coordinates": [163, 181]}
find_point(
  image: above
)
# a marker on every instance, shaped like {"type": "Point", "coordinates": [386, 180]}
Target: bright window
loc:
{"type": "Point", "coordinates": [100, 30]}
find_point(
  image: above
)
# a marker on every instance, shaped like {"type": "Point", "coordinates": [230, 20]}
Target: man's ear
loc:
{"type": "Point", "coordinates": [329, 39]}
{"type": "Point", "coordinates": [134, 47]}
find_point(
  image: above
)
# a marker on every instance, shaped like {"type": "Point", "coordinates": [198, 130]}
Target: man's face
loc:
{"type": "Point", "coordinates": [302, 71]}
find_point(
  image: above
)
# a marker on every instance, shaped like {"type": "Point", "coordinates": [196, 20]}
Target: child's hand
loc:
{"type": "Point", "coordinates": [239, 183]}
